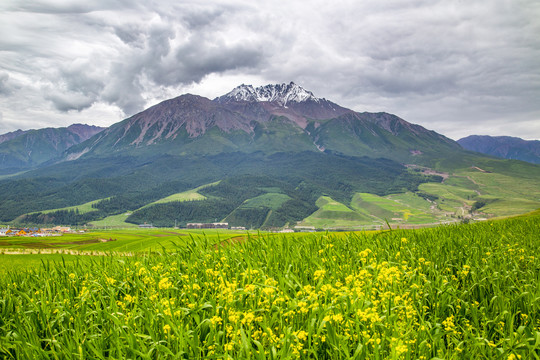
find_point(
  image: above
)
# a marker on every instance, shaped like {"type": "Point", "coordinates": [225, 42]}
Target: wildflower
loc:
{"type": "Point", "coordinates": [401, 349]}
{"type": "Point", "coordinates": [72, 276]}
{"type": "Point", "coordinates": [301, 335]}
{"type": "Point", "coordinates": [269, 291]}
{"type": "Point", "coordinates": [250, 287]}
{"type": "Point", "coordinates": [449, 324]}
{"type": "Point", "coordinates": [465, 271]}
{"type": "Point", "coordinates": [164, 283]}
{"type": "Point", "coordinates": [166, 328]}
{"type": "Point", "coordinates": [319, 274]}
{"type": "Point", "coordinates": [404, 240]}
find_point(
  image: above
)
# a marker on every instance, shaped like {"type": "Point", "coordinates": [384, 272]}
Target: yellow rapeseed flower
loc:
{"type": "Point", "coordinates": [164, 283]}
{"type": "Point", "coordinates": [319, 274]}
{"type": "Point", "coordinates": [301, 335]}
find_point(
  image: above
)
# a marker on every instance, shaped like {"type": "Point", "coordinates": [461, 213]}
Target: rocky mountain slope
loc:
{"type": "Point", "coordinates": [504, 147]}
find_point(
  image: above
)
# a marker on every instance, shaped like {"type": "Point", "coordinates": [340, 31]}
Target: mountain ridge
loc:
{"type": "Point", "coordinates": [505, 147]}
{"type": "Point", "coordinates": [271, 118]}
{"type": "Point", "coordinates": [25, 149]}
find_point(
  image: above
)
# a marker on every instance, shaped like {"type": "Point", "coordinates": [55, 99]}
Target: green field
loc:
{"type": "Point", "coordinates": [116, 240]}
{"type": "Point", "coordinates": [333, 214]}
{"type": "Point", "coordinates": [503, 194]}
{"type": "Point", "coordinates": [269, 200]}
{"type": "Point", "coordinates": [190, 195]}
{"type": "Point", "coordinates": [23, 262]}
{"type": "Point", "coordinates": [81, 209]}
{"type": "Point", "coordinates": [114, 221]}
{"type": "Point", "coordinates": [451, 292]}
{"type": "Point", "coordinates": [367, 210]}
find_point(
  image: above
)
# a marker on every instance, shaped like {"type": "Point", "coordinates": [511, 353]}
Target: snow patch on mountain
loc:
{"type": "Point", "coordinates": [277, 93]}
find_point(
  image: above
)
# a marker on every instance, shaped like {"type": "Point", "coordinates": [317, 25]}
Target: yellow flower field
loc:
{"type": "Point", "coordinates": [455, 292]}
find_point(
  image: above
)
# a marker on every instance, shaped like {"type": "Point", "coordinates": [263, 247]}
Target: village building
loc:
{"type": "Point", "coordinates": [216, 225]}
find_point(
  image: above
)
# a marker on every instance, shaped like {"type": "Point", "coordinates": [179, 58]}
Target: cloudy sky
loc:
{"type": "Point", "coordinates": [454, 66]}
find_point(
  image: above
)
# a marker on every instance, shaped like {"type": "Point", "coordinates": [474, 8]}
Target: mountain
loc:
{"type": "Point", "coordinates": [266, 157]}
{"type": "Point", "coordinates": [270, 119]}
{"type": "Point", "coordinates": [24, 149]}
{"type": "Point", "coordinates": [505, 147]}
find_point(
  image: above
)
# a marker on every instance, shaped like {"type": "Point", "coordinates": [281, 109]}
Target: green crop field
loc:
{"type": "Point", "coordinates": [467, 291]}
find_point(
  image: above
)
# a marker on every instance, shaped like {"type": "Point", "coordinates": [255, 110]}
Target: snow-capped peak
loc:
{"type": "Point", "coordinates": [279, 93]}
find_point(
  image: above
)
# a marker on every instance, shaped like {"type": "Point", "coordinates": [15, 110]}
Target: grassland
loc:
{"type": "Point", "coordinates": [82, 209]}
{"type": "Point", "coordinates": [269, 200]}
{"type": "Point", "coordinates": [113, 241]}
{"type": "Point", "coordinates": [190, 195]}
{"type": "Point", "coordinates": [367, 210]}
{"type": "Point", "coordinates": [113, 221]}
{"type": "Point", "coordinates": [24, 262]}
{"type": "Point", "coordinates": [333, 214]}
{"type": "Point", "coordinates": [452, 292]}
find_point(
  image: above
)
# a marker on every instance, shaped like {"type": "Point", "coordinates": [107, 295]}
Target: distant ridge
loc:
{"type": "Point", "coordinates": [24, 149]}
{"type": "Point", "coordinates": [505, 147]}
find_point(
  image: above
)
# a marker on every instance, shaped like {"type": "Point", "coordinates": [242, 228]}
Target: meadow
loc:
{"type": "Point", "coordinates": [113, 241]}
{"type": "Point", "coordinates": [466, 291]}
